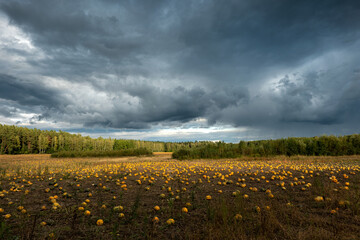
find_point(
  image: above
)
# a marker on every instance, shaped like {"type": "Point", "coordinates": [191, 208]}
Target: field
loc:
{"type": "Point", "coordinates": [161, 198]}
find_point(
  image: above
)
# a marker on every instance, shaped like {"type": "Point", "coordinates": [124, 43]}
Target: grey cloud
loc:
{"type": "Point", "coordinates": [156, 106]}
{"type": "Point", "coordinates": [220, 41]}
{"type": "Point", "coordinates": [5, 109]}
{"type": "Point", "coordinates": [298, 101]}
{"type": "Point", "coordinates": [182, 60]}
{"type": "Point", "coordinates": [27, 93]}
{"type": "Point", "coordinates": [181, 104]}
{"type": "Point", "coordinates": [262, 34]}
{"type": "Point", "coordinates": [303, 105]}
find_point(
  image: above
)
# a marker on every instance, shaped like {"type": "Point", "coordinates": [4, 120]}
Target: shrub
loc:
{"type": "Point", "coordinates": [118, 153]}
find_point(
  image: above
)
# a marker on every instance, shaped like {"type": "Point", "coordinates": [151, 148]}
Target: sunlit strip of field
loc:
{"type": "Point", "coordinates": [162, 153]}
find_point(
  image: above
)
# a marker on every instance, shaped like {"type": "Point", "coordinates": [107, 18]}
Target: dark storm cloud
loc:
{"type": "Point", "coordinates": [262, 35]}
{"type": "Point", "coordinates": [180, 104]}
{"type": "Point", "coordinates": [157, 106]}
{"type": "Point", "coordinates": [19, 96]}
{"type": "Point", "coordinates": [26, 93]}
{"type": "Point", "coordinates": [268, 65]}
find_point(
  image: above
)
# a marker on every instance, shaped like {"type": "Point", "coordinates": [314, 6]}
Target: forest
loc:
{"type": "Point", "coordinates": [22, 140]}
{"type": "Point", "coordinates": [307, 146]}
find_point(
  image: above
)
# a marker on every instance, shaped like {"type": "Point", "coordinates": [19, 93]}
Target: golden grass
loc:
{"type": "Point", "coordinates": [162, 153]}
{"type": "Point", "coordinates": [120, 195]}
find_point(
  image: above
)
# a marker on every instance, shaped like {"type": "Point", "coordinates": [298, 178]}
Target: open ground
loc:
{"type": "Point", "coordinates": [161, 198]}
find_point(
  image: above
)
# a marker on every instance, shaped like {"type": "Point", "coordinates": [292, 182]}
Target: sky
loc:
{"type": "Point", "coordinates": [181, 70]}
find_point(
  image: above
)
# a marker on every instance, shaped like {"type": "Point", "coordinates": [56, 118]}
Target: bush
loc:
{"type": "Point", "coordinates": [118, 153]}
{"type": "Point", "coordinates": [181, 154]}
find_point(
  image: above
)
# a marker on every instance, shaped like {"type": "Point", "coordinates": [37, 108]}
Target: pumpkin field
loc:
{"type": "Point", "coordinates": [157, 197]}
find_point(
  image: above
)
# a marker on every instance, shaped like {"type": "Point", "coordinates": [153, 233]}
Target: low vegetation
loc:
{"type": "Point", "coordinates": [113, 153]}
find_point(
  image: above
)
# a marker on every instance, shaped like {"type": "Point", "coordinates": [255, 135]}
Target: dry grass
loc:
{"type": "Point", "coordinates": [162, 153]}
{"type": "Point", "coordinates": [30, 180]}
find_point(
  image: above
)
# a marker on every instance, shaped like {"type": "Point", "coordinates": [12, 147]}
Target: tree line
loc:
{"type": "Point", "coordinates": [308, 146]}
{"type": "Point", "coordinates": [22, 140]}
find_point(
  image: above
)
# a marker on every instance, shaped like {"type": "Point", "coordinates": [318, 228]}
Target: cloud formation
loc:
{"type": "Point", "coordinates": [276, 69]}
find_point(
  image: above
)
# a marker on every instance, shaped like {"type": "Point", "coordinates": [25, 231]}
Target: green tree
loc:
{"type": "Point", "coordinates": [43, 143]}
